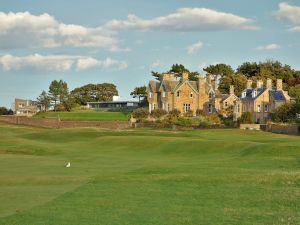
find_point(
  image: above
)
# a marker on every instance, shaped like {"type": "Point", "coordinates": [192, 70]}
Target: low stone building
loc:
{"type": "Point", "coordinates": [261, 100]}
{"type": "Point", "coordinates": [203, 95]}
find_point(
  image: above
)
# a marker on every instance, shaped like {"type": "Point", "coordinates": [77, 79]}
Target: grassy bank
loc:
{"type": "Point", "coordinates": [148, 177]}
{"type": "Point", "coordinates": [86, 115]}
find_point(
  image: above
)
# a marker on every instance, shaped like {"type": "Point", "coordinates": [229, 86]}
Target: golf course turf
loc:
{"type": "Point", "coordinates": [143, 177]}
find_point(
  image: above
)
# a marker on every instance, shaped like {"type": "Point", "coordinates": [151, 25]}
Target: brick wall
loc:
{"type": "Point", "coordinates": [56, 123]}
{"type": "Point", "coordinates": [283, 129]}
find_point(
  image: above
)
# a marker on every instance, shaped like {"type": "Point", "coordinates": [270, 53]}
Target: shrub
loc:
{"type": "Point", "coordinates": [140, 114]}
{"type": "Point", "coordinates": [175, 113]}
{"type": "Point", "coordinates": [246, 118]}
{"type": "Point", "coordinates": [189, 113]}
{"type": "Point", "coordinates": [169, 119]}
{"type": "Point", "coordinates": [200, 112]}
{"type": "Point", "coordinates": [213, 119]}
{"type": "Point", "coordinates": [184, 121]}
{"type": "Point", "coordinates": [158, 113]}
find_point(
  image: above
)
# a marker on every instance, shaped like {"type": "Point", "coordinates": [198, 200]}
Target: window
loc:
{"type": "Point", "coordinates": [211, 95]}
{"type": "Point", "coordinates": [238, 108]}
{"type": "Point", "coordinates": [154, 106]}
{"type": "Point", "coordinates": [254, 93]}
{"type": "Point", "coordinates": [226, 104]}
{"type": "Point", "coordinates": [244, 94]}
{"type": "Point", "coordinates": [186, 107]}
{"type": "Point", "coordinates": [210, 108]}
{"type": "Point", "coordinates": [244, 108]}
{"type": "Point", "coordinates": [191, 94]}
{"type": "Point", "coordinates": [168, 107]}
{"type": "Point", "coordinates": [163, 94]}
{"type": "Point", "coordinates": [258, 108]}
{"type": "Point", "coordinates": [178, 93]}
{"type": "Point", "coordinates": [163, 106]}
{"type": "Point", "coordinates": [150, 95]}
{"type": "Point", "coordinates": [266, 108]}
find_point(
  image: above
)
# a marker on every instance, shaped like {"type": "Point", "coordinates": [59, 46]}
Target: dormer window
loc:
{"type": "Point", "coordinates": [163, 94]}
{"type": "Point", "coordinates": [254, 93]}
{"type": "Point", "coordinates": [244, 94]}
{"type": "Point", "coordinates": [191, 94]}
{"type": "Point", "coordinates": [178, 94]}
{"type": "Point", "coordinates": [211, 95]}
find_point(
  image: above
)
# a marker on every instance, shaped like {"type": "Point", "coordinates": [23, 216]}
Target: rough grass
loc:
{"type": "Point", "coordinates": [86, 115]}
{"type": "Point", "coordinates": [148, 177]}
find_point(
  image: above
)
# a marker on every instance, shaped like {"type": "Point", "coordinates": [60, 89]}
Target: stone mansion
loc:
{"type": "Point", "coordinates": [203, 95]}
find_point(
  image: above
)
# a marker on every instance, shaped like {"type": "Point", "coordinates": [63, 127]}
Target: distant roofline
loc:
{"type": "Point", "coordinates": [116, 102]}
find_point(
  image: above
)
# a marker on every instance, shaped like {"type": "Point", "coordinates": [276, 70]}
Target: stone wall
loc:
{"type": "Point", "coordinates": [283, 129]}
{"type": "Point", "coordinates": [250, 126]}
{"type": "Point", "coordinates": [56, 123]}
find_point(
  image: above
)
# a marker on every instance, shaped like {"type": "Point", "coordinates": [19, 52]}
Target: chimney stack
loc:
{"type": "Point", "coordinates": [279, 84]}
{"type": "Point", "coordinates": [249, 84]}
{"type": "Point", "coordinates": [185, 76]}
{"type": "Point", "coordinates": [259, 84]}
{"type": "Point", "coordinates": [269, 83]}
{"type": "Point", "coordinates": [167, 76]}
{"type": "Point", "coordinates": [231, 90]}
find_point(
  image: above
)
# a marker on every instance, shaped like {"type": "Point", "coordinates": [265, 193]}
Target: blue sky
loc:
{"type": "Point", "coordinates": [122, 41]}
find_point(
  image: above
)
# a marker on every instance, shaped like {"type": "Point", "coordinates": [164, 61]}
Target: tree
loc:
{"type": "Point", "coordinates": [248, 69]}
{"type": "Point", "coordinates": [158, 113]}
{"type": "Point", "coordinates": [156, 75]}
{"type": "Point", "coordinates": [285, 113]}
{"type": "Point", "coordinates": [219, 69]}
{"type": "Point", "coordinates": [139, 92]}
{"type": "Point", "coordinates": [178, 69]}
{"type": "Point", "coordinates": [94, 93]}
{"type": "Point", "coordinates": [295, 92]}
{"type": "Point", "coordinates": [44, 101]}
{"type": "Point", "coordinates": [58, 92]}
{"type": "Point", "coordinates": [3, 111]}
{"type": "Point", "coordinates": [239, 81]}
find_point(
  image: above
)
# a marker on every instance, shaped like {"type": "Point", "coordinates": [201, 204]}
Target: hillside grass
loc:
{"type": "Point", "coordinates": [86, 115]}
{"type": "Point", "coordinates": [155, 177]}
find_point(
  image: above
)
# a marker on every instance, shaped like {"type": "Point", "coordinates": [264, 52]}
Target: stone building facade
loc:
{"type": "Point", "coordinates": [261, 100]}
{"type": "Point", "coordinates": [203, 95]}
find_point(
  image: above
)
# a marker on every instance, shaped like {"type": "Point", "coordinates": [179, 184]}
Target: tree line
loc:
{"type": "Point", "coordinates": [61, 99]}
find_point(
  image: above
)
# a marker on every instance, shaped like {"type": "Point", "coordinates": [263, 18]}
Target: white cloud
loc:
{"type": "Point", "coordinates": [86, 63]}
{"type": "Point", "coordinates": [192, 49]}
{"type": "Point", "coordinates": [185, 19]}
{"type": "Point", "coordinates": [56, 63]}
{"type": "Point", "coordinates": [155, 64]}
{"type": "Point", "coordinates": [24, 30]}
{"type": "Point", "coordinates": [268, 47]}
{"type": "Point", "coordinates": [290, 13]}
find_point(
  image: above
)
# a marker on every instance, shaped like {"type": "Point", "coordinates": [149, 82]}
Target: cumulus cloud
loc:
{"type": "Point", "coordinates": [192, 49]}
{"type": "Point", "coordinates": [23, 30]}
{"type": "Point", "coordinates": [268, 47]}
{"type": "Point", "coordinates": [185, 19]}
{"type": "Point", "coordinates": [56, 63]}
{"type": "Point", "coordinates": [290, 13]}
{"type": "Point", "coordinates": [155, 64]}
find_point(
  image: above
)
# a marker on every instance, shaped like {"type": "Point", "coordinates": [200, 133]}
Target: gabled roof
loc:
{"type": "Point", "coordinates": [169, 85]}
{"type": "Point", "coordinates": [154, 85]}
{"type": "Point", "coordinates": [192, 84]}
{"type": "Point", "coordinates": [277, 95]}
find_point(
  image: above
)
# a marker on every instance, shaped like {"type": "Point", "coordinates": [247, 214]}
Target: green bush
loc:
{"type": "Point", "coordinates": [158, 113]}
{"type": "Point", "coordinates": [175, 113]}
{"type": "Point", "coordinates": [140, 114]}
{"type": "Point", "coordinates": [213, 119]}
{"type": "Point", "coordinates": [189, 113]}
{"type": "Point", "coordinates": [246, 118]}
{"type": "Point", "coordinates": [182, 121]}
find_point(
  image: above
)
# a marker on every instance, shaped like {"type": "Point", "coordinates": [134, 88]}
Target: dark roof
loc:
{"type": "Point", "coordinates": [170, 85]}
{"type": "Point", "coordinates": [249, 93]}
{"type": "Point", "coordinates": [277, 95]}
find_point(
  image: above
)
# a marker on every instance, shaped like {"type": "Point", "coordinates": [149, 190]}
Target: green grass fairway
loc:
{"type": "Point", "coordinates": [143, 177]}
{"type": "Point", "coordinates": [86, 115]}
